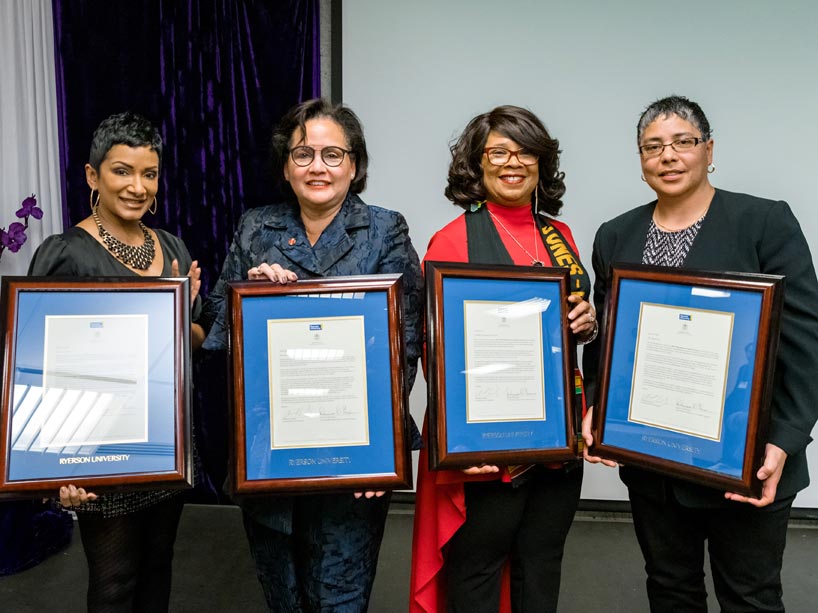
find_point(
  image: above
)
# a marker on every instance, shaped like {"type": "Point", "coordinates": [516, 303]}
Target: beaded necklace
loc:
{"type": "Point", "coordinates": [139, 258]}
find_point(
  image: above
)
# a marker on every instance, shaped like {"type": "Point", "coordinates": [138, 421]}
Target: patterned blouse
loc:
{"type": "Point", "coordinates": [669, 248]}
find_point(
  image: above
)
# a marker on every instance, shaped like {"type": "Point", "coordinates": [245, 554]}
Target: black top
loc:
{"type": "Point", "coordinates": [75, 253]}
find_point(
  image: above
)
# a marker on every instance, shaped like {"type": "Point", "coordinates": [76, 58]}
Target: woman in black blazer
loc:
{"type": "Point", "coordinates": [693, 225]}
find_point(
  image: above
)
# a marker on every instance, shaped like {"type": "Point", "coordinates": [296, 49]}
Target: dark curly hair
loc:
{"type": "Point", "coordinates": [125, 128]}
{"type": "Point", "coordinates": [297, 118]}
{"type": "Point", "coordinates": [523, 127]}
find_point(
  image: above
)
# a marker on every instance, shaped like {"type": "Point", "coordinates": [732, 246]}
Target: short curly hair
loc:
{"type": "Point", "coordinates": [125, 128]}
{"type": "Point", "coordinates": [297, 118]}
{"type": "Point", "coordinates": [674, 105]}
{"type": "Point", "coordinates": [466, 185]}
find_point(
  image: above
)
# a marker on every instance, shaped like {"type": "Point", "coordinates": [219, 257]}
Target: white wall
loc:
{"type": "Point", "coordinates": [417, 71]}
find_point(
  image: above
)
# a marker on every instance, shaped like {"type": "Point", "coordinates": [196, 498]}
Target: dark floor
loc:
{"type": "Point", "coordinates": [602, 570]}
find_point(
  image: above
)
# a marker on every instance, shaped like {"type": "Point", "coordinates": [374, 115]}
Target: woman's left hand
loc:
{"type": "Point", "coordinates": [73, 496]}
{"type": "Point", "coordinates": [194, 273]}
{"type": "Point", "coordinates": [582, 317]}
{"type": "Point", "coordinates": [197, 333]}
{"type": "Point", "coordinates": [770, 473]}
{"type": "Point", "coordinates": [369, 494]}
{"type": "Point", "coordinates": [274, 272]}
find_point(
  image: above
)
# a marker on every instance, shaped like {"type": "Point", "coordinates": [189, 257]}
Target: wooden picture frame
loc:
{"type": "Point", "coordinates": [500, 365]}
{"type": "Point", "coordinates": [96, 384]}
{"type": "Point", "coordinates": [686, 373]}
{"type": "Point", "coordinates": [319, 396]}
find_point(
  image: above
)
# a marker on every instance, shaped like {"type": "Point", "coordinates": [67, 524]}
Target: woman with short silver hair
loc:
{"type": "Point", "coordinates": [691, 224]}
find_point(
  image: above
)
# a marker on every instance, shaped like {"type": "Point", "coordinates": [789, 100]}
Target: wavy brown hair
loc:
{"type": "Point", "coordinates": [523, 127]}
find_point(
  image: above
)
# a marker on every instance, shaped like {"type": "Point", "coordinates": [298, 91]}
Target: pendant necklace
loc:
{"type": "Point", "coordinates": [535, 259]}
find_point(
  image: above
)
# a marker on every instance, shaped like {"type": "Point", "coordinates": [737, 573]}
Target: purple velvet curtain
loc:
{"type": "Point", "coordinates": [215, 76]}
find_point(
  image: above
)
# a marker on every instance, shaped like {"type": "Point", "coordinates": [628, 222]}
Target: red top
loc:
{"type": "Point", "coordinates": [449, 244]}
{"type": "Point", "coordinates": [440, 507]}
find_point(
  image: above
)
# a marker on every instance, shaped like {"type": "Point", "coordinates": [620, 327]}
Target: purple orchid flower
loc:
{"type": "Point", "coordinates": [14, 237]}
{"type": "Point", "coordinates": [29, 207]}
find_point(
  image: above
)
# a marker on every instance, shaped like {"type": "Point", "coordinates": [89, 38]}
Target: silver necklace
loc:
{"type": "Point", "coordinates": [535, 259]}
{"type": "Point", "coordinates": [139, 258]}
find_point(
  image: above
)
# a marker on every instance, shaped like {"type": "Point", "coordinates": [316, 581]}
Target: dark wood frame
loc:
{"type": "Point", "coordinates": [402, 477]}
{"type": "Point", "coordinates": [771, 288]}
{"type": "Point", "coordinates": [439, 455]}
{"type": "Point", "coordinates": [182, 475]}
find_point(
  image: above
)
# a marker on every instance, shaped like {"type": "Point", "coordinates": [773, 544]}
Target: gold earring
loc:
{"type": "Point", "coordinates": [152, 210]}
{"type": "Point", "coordinates": [711, 169]}
{"type": "Point", "coordinates": [91, 201]}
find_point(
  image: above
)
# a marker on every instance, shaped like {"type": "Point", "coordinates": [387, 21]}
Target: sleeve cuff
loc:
{"type": "Point", "coordinates": [788, 438]}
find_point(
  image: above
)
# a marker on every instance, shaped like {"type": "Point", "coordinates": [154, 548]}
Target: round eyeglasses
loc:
{"type": "Point", "coordinates": [331, 156]}
{"type": "Point", "coordinates": [679, 145]}
{"type": "Point", "coordinates": [498, 156]}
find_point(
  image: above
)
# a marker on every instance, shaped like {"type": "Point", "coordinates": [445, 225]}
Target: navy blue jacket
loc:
{"type": "Point", "coordinates": [360, 240]}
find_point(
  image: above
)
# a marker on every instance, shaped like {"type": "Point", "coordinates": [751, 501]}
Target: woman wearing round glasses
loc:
{"type": "Point", "coordinates": [471, 524]}
{"type": "Point", "coordinates": [319, 552]}
{"type": "Point", "coordinates": [693, 225]}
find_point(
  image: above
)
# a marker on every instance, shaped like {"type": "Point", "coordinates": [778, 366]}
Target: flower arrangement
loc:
{"type": "Point", "coordinates": [15, 237]}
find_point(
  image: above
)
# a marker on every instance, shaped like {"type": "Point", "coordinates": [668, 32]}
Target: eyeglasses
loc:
{"type": "Point", "coordinates": [498, 156]}
{"type": "Point", "coordinates": [331, 156]}
{"type": "Point", "coordinates": [679, 145]}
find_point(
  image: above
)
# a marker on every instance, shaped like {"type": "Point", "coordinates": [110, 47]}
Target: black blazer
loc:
{"type": "Point", "coordinates": [741, 233]}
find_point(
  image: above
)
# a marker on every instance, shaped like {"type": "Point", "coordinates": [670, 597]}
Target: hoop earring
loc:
{"type": "Point", "coordinates": [711, 169]}
{"type": "Point", "coordinates": [643, 178]}
{"type": "Point", "coordinates": [152, 210]}
{"type": "Point", "coordinates": [94, 203]}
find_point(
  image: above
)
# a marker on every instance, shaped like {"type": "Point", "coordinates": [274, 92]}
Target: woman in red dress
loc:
{"type": "Point", "coordinates": [470, 525]}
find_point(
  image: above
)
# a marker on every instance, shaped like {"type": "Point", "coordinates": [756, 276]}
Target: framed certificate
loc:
{"type": "Point", "coordinates": [686, 373]}
{"type": "Point", "coordinates": [500, 365]}
{"type": "Point", "coordinates": [318, 389]}
{"type": "Point", "coordinates": [96, 382]}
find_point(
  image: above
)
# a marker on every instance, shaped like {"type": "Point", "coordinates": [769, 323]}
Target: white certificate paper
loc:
{"type": "Point", "coordinates": [504, 360]}
{"type": "Point", "coordinates": [317, 382]}
{"type": "Point", "coordinates": [95, 382]}
{"type": "Point", "coordinates": [680, 369]}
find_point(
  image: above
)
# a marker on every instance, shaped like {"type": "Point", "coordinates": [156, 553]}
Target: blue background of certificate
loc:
{"type": "Point", "coordinates": [725, 456]}
{"type": "Point", "coordinates": [349, 460]}
{"type": "Point", "coordinates": [158, 454]}
{"type": "Point", "coordinates": [501, 436]}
